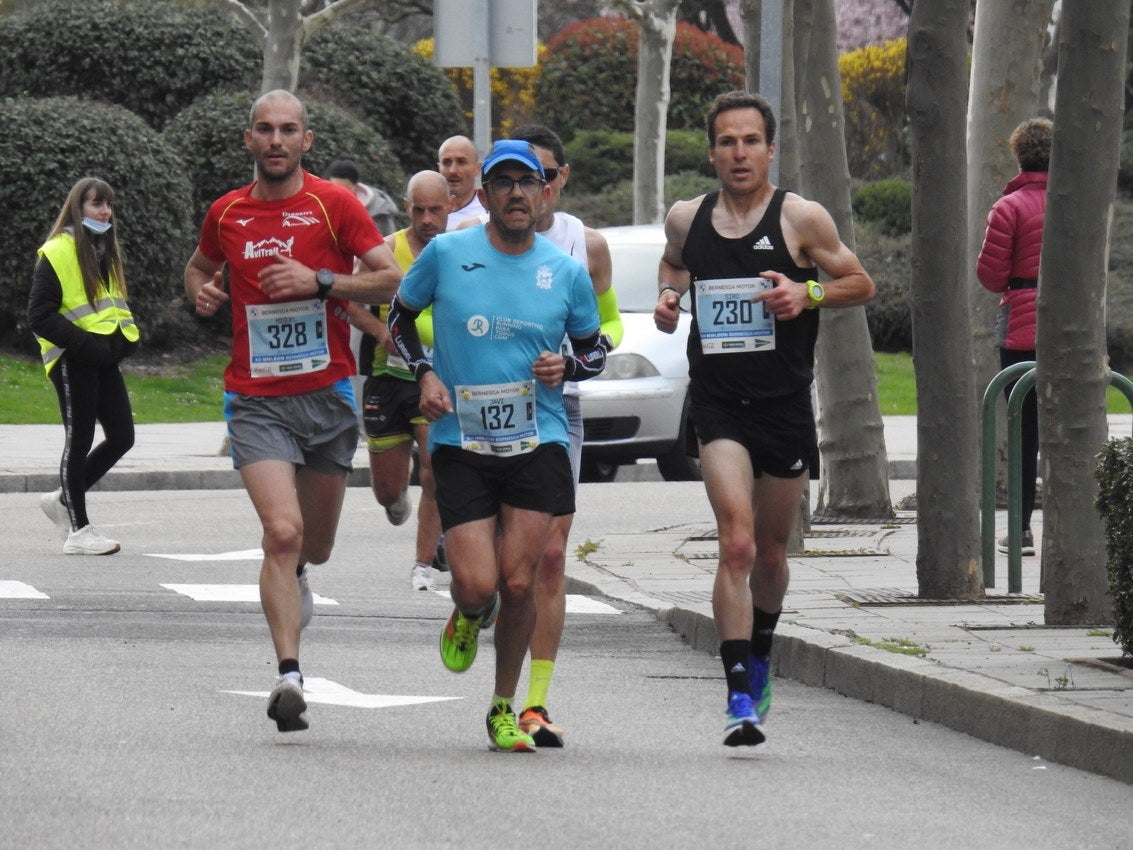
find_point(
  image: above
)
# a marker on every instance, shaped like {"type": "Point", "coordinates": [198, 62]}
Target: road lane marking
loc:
{"type": "Point", "coordinates": [326, 692]}
{"type": "Point", "coordinates": [229, 593]}
{"type": "Point", "coordinates": [576, 603]}
{"type": "Point", "coordinates": [19, 590]}
{"type": "Point", "coordinates": [242, 555]}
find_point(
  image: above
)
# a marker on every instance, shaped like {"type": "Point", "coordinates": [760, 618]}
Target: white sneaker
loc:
{"type": "Point", "coordinates": [88, 540]}
{"type": "Point", "coordinates": [400, 510]}
{"type": "Point", "coordinates": [422, 577]}
{"type": "Point", "coordinates": [52, 504]}
{"type": "Point", "coordinates": [306, 599]}
{"type": "Point", "coordinates": [287, 706]}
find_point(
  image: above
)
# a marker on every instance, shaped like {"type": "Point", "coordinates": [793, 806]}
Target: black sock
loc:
{"type": "Point", "coordinates": [288, 665]}
{"type": "Point", "coordinates": [762, 631]}
{"type": "Point", "coordinates": [734, 654]}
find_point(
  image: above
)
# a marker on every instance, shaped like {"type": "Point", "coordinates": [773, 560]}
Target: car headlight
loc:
{"type": "Point", "coordinates": [622, 366]}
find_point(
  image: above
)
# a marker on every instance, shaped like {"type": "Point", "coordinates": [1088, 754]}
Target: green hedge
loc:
{"type": "Point", "coordinates": [601, 158]}
{"type": "Point", "coordinates": [153, 58]}
{"type": "Point", "coordinates": [888, 203]}
{"type": "Point", "coordinates": [46, 146]}
{"type": "Point", "coordinates": [1115, 503]}
{"type": "Point", "coordinates": [399, 94]}
{"type": "Point", "coordinates": [209, 134]}
{"type": "Point", "coordinates": [589, 76]}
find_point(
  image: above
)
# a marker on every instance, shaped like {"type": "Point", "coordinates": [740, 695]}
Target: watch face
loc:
{"type": "Point", "coordinates": [324, 277]}
{"type": "Point", "coordinates": [817, 292]}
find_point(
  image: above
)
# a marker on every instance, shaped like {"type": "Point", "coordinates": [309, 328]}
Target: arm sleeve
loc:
{"type": "Point", "coordinates": [425, 326]}
{"type": "Point", "coordinates": [403, 330]}
{"type": "Point", "coordinates": [610, 318]}
{"type": "Point", "coordinates": [588, 359]}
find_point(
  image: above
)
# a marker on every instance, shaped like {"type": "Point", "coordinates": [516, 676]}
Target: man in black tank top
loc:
{"type": "Point", "coordinates": [751, 254]}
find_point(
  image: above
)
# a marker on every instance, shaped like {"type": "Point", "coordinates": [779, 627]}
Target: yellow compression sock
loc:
{"type": "Point", "coordinates": [541, 671]}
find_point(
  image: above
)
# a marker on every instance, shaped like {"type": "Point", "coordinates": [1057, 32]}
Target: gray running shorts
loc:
{"type": "Point", "coordinates": [318, 429]}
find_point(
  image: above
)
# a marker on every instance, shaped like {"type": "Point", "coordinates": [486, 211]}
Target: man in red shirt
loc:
{"type": "Point", "coordinates": [289, 240]}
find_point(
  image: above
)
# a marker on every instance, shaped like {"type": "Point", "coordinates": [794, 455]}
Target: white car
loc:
{"type": "Point", "coordinates": [638, 406]}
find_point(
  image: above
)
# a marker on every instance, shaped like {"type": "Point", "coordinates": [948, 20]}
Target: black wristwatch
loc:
{"type": "Point", "coordinates": [324, 279]}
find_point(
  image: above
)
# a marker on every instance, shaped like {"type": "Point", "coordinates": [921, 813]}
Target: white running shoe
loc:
{"type": "Point", "coordinates": [52, 504]}
{"type": "Point", "coordinates": [400, 510]}
{"type": "Point", "coordinates": [88, 540]}
{"type": "Point", "coordinates": [306, 599]}
{"type": "Point", "coordinates": [422, 577]}
{"type": "Point", "coordinates": [287, 706]}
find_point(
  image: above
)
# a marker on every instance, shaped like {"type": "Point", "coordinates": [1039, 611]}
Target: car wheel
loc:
{"type": "Point", "coordinates": [597, 471]}
{"type": "Point", "coordinates": [677, 464]}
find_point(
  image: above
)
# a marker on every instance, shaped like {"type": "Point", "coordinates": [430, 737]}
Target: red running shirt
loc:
{"type": "Point", "coordinates": [287, 348]}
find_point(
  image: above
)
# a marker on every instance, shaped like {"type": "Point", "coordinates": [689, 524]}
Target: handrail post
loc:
{"type": "Point", "coordinates": [987, 464]}
{"type": "Point", "coordinates": [1015, 481]}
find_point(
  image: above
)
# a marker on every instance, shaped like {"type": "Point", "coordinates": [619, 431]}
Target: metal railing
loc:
{"type": "Point", "coordinates": [1025, 373]}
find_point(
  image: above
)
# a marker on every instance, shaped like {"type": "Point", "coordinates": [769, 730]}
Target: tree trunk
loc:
{"type": "Point", "coordinates": [282, 46]}
{"type": "Point", "coordinates": [855, 466]}
{"type": "Point", "coordinates": [282, 39]}
{"type": "Point", "coordinates": [1006, 65]}
{"type": "Point", "coordinates": [787, 141]}
{"type": "Point", "coordinates": [1072, 372]}
{"type": "Point", "coordinates": [657, 29]}
{"type": "Point", "coordinates": [751, 11]}
{"type": "Point", "coordinates": [948, 552]}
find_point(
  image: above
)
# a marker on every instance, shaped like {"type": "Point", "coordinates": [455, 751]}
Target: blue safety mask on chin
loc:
{"type": "Point", "coordinates": [95, 226]}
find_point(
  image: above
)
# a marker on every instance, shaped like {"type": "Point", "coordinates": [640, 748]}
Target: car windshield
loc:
{"type": "Point", "coordinates": [635, 275]}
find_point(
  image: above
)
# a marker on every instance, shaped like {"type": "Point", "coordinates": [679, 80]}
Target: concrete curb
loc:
{"type": "Point", "coordinates": [1037, 724]}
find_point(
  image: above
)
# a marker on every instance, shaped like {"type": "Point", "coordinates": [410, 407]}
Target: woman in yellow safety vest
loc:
{"type": "Point", "coordinates": [78, 312]}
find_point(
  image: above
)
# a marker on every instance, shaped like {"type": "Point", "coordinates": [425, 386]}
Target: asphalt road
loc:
{"type": "Point", "coordinates": [132, 715]}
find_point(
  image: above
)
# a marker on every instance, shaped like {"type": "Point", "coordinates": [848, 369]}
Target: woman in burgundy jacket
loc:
{"type": "Point", "coordinates": [1009, 263]}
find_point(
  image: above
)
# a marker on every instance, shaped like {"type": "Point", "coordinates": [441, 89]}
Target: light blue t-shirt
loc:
{"type": "Point", "coordinates": [493, 315]}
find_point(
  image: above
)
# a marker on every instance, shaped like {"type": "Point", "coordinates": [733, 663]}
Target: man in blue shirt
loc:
{"type": "Point", "coordinates": [503, 298]}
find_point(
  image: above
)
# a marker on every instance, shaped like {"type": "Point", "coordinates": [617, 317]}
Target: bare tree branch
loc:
{"type": "Point", "coordinates": [246, 16]}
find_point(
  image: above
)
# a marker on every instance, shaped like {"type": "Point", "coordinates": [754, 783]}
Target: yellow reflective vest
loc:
{"type": "Point", "coordinates": [108, 313]}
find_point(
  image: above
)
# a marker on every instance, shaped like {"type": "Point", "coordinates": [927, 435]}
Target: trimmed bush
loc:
{"type": "Point", "coordinates": [889, 314]}
{"type": "Point", "coordinates": [590, 76]}
{"type": "Point", "coordinates": [153, 58]}
{"type": "Point", "coordinates": [600, 158]}
{"type": "Point", "coordinates": [1115, 504]}
{"type": "Point", "coordinates": [210, 133]}
{"type": "Point", "coordinates": [613, 205]}
{"type": "Point", "coordinates": [46, 146]}
{"type": "Point", "coordinates": [887, 203]}
{"type": "Point", "coordinates": [399, 94]}
{"type": "Point", "coordinates": [513, 90]}
{"type": "Point", "coordinates": [873, 93]}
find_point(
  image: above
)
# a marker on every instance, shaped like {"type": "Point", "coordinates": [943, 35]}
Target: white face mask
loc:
{"type": "Point", "coordinates": [95, 226]}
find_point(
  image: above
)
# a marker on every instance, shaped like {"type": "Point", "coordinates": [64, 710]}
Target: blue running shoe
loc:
{"type": "Point", "coordinates": [742, 728]}
{"type": "Point", "coordinates": [759, 676]}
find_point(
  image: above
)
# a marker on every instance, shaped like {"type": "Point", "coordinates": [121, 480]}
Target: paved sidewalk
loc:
{"type": "Point", "coordinates": [992, 670]}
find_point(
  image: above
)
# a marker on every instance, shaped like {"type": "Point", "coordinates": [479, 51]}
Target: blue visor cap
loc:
{"type": "Point", "coordinates": [513, 150]}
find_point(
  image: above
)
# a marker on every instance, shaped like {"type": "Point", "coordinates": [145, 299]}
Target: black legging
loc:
{"type": "Point", "coordinates": [1030, 431]}
{"type": "Point", "coordinates": [88, 393]}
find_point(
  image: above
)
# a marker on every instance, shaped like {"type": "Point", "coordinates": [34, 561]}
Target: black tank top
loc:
{"type": "Point", "coordinates": [707, 255]}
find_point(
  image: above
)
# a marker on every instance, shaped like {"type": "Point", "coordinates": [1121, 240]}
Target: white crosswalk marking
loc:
{"type": "Point", "coordinates": [19, 590]}
{"type": "Point", "coordinates": [576, 603]}
{"type": "Point", "coordinates": [242, 555]}
{"type": "Point", "coordinates": [229, 593]}
{"type": "Point", "coordinates": [331, 693]}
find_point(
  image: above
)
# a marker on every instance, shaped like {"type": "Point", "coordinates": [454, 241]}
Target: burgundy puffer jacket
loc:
{"type": "Point", "coordinates": [1009, 258]}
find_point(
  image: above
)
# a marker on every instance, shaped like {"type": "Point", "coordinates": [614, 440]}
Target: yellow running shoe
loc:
{"type": "Point", "coordinates": [503, 732]}
{"type": "Point", "coordinates": [460, 637]}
